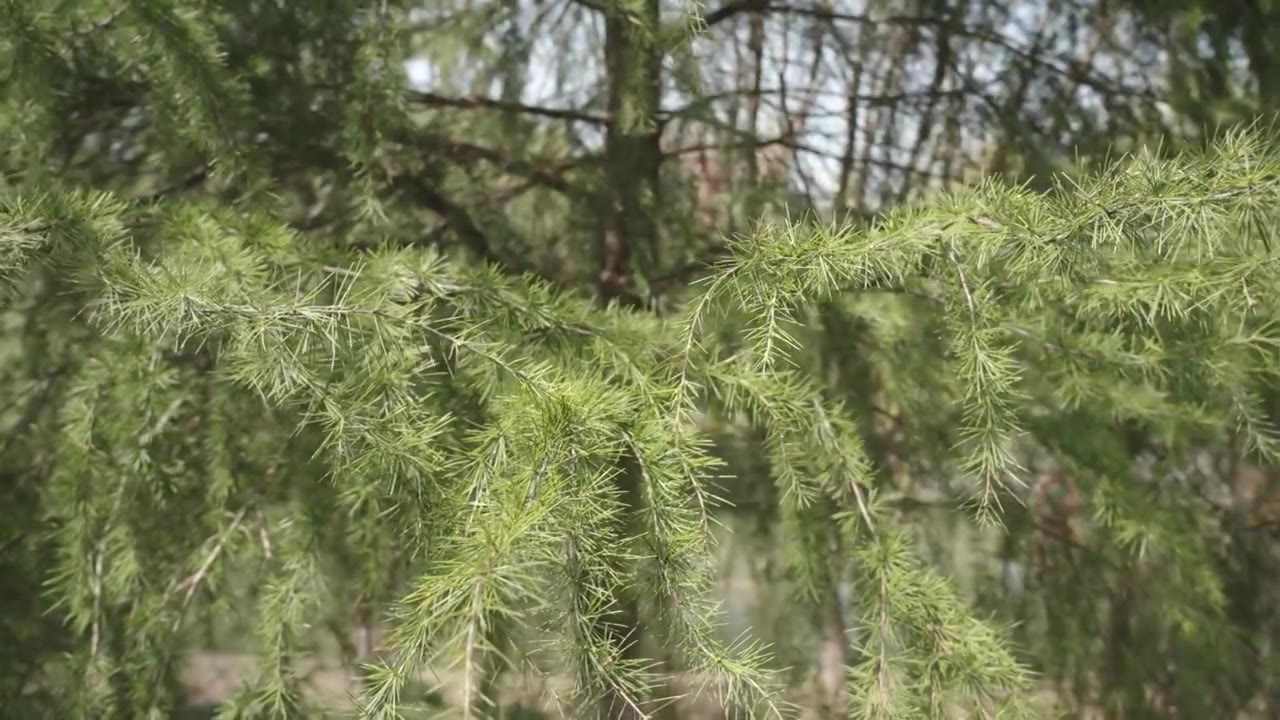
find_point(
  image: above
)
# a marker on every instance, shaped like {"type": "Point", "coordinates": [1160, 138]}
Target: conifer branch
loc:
{"type": "Point", "coordinates": [478, 422]}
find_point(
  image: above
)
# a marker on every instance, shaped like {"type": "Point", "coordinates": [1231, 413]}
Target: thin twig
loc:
{"type": "Point", "coordinates": [192, 583]}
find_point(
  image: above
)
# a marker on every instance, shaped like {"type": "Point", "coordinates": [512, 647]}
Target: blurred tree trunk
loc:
{"type": "Point", "coordinates": [633, 153]}
{"type": "Point", "coordinates": [832, 670]}
{"type": "Point", "coordinates": [633, 64]}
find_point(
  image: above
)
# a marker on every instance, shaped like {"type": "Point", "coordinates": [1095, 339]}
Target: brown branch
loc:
{"type": "Point", "coordinates": [869, 100]}
{"type": "Point", "coordinates": [454, 215]}
{"type": "Point", "coordinates": [481, 103]}
{"type": "Point", "coordinates": [458, 219]}
{"type": "Point", "coordinates": [738, 7]}
{"type": "Point", "coordinates": [924, 133]}
{"type": "Point", "coordinates": [530, 170]}
{"type": "Point", "coordinates": [190, 181]}
{"type": "Point", "coordinates": [850, 142]}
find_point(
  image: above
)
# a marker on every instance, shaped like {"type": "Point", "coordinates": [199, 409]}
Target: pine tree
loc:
{"type": "Point", "coordinates": [213, 416]}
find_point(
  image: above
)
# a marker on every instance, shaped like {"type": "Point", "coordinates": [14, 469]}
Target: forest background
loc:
{"type": "Point", "coordinates": [690, 343]}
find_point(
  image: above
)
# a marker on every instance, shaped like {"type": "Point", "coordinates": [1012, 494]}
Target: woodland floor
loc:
{"type": "Point", "coordinates": [213, 677]}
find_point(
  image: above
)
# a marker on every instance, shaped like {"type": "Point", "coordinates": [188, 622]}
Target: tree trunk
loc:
{"type": "Point", "coordinates": [632, 152]}
{"type": "Point", "coordinates": [832, 698]}
{"type": "Point", "coordinates": [632, 164]}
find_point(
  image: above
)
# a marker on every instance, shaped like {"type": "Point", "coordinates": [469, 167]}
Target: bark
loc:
{"type": "Point", "coordinates": [632, 153]}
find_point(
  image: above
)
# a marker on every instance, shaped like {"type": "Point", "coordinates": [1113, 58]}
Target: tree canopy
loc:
{"type": "Point", "coordinates": [248, 387]}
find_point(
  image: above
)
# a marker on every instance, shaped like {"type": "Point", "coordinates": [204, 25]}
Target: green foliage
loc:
{"type": "Point", "coordinates": [211, 413]}
{"type": "Point", "coordinates": [1145, 288]}
{"type": "Point", "coordinates": [381, 371]}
